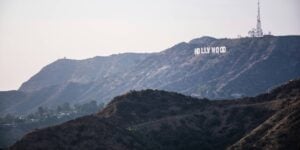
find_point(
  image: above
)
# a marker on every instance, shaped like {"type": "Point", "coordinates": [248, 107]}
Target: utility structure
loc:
{"type": "Point", "coordinates": [257, 32]}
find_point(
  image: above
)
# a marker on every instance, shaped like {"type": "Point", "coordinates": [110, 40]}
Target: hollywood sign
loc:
{"type": "Point", "coordinates": [210, 50]}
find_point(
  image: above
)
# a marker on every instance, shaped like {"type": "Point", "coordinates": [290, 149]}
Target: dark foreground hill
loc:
{"type": "Point", "coordinates": [250, 66]}
{"type": "Point", "coordinates": [152, 119]}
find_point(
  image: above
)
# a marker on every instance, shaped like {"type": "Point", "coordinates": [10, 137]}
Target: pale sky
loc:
{"type": "Point", "coordinates": [34, 33]}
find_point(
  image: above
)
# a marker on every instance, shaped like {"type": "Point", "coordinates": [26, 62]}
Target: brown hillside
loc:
{"type": "Point", "coordinates": [152, 119]}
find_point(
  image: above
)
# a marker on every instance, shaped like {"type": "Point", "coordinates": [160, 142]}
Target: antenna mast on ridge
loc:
{"type": "Point", "coordinates": [259, 31]}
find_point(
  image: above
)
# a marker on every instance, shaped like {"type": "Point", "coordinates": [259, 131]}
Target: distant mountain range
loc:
{"type": "Point", "coordinates": [250, 66]}
{"type": "Point", "coordinates": [160, 120]}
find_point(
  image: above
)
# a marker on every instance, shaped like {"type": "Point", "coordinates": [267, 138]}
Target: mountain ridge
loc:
{"type": "Point", "coordinates": [153, 119]}
{"type": "Point", "coordinates": [251, 66]}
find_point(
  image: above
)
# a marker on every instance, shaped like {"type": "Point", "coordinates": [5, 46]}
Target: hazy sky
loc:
{"type": "Point", "coordinates": [34, 33]}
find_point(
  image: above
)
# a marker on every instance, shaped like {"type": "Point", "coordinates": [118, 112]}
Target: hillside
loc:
{"type": "Point", "coordinates": [251, 66]}
{"type": "Point", "coordinates": [153, 119]}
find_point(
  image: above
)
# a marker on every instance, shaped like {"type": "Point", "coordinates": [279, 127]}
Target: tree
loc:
{"type": "Point", "coordinates": [66, 107]}
{"type": "Point", "coordinates": [41, 111]}
{"type": "Point", "coordinates": [9, 118]}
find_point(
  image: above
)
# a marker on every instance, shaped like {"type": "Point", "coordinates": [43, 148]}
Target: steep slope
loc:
{"type": "Point", "coordinates": [281, 131]}
{"type": "Point", "coordinates": [251, 66]}
{"type": "Point", "coordinates": [153, 119]}
{"type": "Point", "coordinates": [85, 71]}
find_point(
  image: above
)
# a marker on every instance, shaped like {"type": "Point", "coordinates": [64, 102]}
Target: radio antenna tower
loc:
{"type": "Point", "coordinates": [259, 31]}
